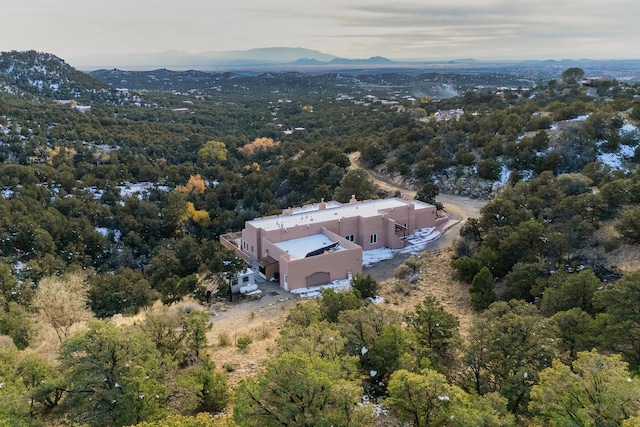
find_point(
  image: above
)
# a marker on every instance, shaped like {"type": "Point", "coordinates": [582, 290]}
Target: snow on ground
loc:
{"type": "Point", "coordinates": [140, 188]}
{"type": "Point", "coordinates": [377, 300]}
{"type": "Point", "coordinates": [129, 189]}
{"type": "Point", "coordinates": [117, 234]}
{"type": "Point", "coordinates": [627, 151]}
{"type": "Point", "coordinates": [95, 192]}
{"type": "Point", "coordinates": [527, 174]}
{"type": "Point", "coordinates": [613, 160]}
{"type": "Point", "coordinates": [314, 291]}
{"type": "Point", "coordinates": [416, 243]}
{"type": "Point", "coordinates": [19, 267]}
{"type": "Point", "coordinates": [579, 118]}
{"type": "Point", "coordinates": [628, 128]}
{"type": "Point", "coordinates": [376, 255]}
{"type": "Point", "coordinates": [505, 173]}
{"type": "Point", "coordinates": [419, 240]}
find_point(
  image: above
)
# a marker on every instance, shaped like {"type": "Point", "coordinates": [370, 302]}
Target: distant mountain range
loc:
{"type": "Point", "coordinates": [43, 75]}
{"type": "Point", "coordinates": [174, 59]}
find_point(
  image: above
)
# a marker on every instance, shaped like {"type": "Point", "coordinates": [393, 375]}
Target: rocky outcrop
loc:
{"type": "Point", "coordinates": [468, 184]}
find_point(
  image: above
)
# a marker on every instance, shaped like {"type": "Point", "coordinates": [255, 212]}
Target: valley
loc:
{"type": "Point", "coordinates": [115, 187]}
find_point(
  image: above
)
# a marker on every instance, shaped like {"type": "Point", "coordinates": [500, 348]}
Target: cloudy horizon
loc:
{"type": "Point", "coordinates": [405, 30]}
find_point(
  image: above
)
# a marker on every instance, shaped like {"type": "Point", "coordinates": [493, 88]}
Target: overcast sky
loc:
{"type": "Point", "coordinates": [427, 29]}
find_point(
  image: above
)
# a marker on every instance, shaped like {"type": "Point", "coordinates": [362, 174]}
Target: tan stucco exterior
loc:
{"type": "Point", "coordinates": [355, 227]}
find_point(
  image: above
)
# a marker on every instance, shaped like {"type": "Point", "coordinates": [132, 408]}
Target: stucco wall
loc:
{"type": "Point", "coordinates": [361, 227]}
{"type": "Point", "coordinates": [425, 217]}
{"type": "Point", "coordinates": [338, 264]}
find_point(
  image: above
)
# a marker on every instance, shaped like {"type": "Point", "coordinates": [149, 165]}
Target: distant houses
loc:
{"type": "Point", "coordinates": [447, 115]}
{"type": "Point", "coordinates": [74, 105]}
{"type": "Point", "coordinates": [593, 81]}
{"type": "Point", "coordinates": [291, 131]}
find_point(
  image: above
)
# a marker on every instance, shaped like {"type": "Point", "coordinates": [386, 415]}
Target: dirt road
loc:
{"type": "Point", "coordinates": [458, 207]}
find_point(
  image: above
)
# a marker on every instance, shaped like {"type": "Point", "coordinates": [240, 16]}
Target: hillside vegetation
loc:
{"type": "Point", "coordinates": [113, 198]}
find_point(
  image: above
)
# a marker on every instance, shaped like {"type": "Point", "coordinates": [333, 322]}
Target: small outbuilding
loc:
{"type": "Point", "coordinates": [245, 279]}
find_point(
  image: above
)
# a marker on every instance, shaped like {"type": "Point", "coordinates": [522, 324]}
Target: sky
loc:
{"type": "Point", "coordinates": [399, 30]}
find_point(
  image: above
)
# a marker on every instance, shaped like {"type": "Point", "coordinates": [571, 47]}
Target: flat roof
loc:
{"type": "Point", "coordinates": [315, 207]}
{"type": "Point", "coordinates": [334, 210]}
{"type": "Point", "coordinates": [299, 248]}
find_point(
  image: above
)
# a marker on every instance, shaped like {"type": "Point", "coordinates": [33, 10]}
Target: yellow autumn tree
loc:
{"type": "Point", "coordinates": [195, 215]}
{"type": "Point", "coordinates": [213, 152]}
{"type": "Point", "coordinates": [253, 166]}
{"type": "Point", "coordinates": [190, 217]}
{"type": "Point", "coordinates": [195, 184]}
{"type": "Point", "coordinates": [259, 144]}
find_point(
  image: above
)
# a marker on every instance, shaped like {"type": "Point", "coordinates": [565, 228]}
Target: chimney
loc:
{"type": "Point", "coordinates": [323, 205]}
{"type": "Point", "coordinates": [353, 200]}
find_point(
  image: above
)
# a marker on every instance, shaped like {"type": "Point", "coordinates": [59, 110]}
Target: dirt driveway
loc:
{"type": "Point", "coordinates": [458, 207]}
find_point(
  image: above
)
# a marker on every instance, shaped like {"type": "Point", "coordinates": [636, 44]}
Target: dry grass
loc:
{"type": "Point", "coordinates": [609, 250]}
{"type": "Point", "coordinates": [261, 320]}
{"type": "Point", "coordinates": [46, 343]}
{"type": "Point", "coordinates": [436, 278]}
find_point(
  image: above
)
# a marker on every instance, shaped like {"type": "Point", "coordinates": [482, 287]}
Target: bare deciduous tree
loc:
{"type": "Point", "coordinates": [61, 301]}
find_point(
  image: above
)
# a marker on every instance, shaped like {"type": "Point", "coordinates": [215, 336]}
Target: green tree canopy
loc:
{"type": "Point", "coordinates": [300, 390]}
{"type": "Point", "coordinates": [426, 399]}
{"type": "Point", "coordinates": [506, 348]}
{"type": "Point", "coordinates": [572, 75]}
{"type": "Point", "coordinates": [423, 399]}
{"type": "Point", "coordinates": [436, 331]}
{"type": "Point", "coordinates": [332, 303]}
{"type": "Point", "coordinates": [597, 390]}
{"type": "Point", "coordinates": [621, 300]}
{"type": "Point", "coordinates": [366, 285]}
{"type": "Point", "coordinates": [356, 183]}
{"type": "Point", "coordinates": [114, 376]}
{"type": "Point", "coordinates": [482, 289]}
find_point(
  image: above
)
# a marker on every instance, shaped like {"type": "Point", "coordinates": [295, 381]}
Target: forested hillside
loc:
{"type": "Point", "coordinates": [114, 193]}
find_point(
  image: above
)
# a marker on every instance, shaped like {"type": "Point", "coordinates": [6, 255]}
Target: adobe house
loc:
{"type": "Point", "coordinates": [319, 243]}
